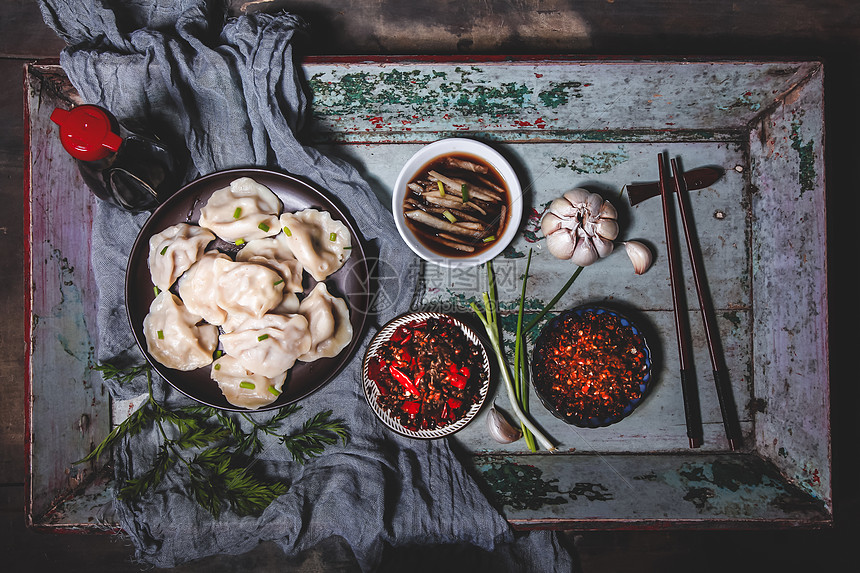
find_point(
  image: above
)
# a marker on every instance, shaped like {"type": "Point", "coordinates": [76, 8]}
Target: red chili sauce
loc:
{"type": "Point", "coordinates": [428, 374]}
{"type": "Point", "coordinates": [590, 366]}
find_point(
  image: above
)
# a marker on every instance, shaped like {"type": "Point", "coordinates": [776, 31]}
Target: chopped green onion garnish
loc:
{"type": "Point", "coordinates": [262, 337]}
{"type": "Point", "coordinates": [332, 237]}
{"type": "Point", "coordinates": [263, 227]}
{"type": "Point", "coordinates": [246, 384]}
{"type": "Point", "coordinates": [219, 353]}
{"type": "Point", "coordinates": [240, 241]}
{"type": "Point", "coordinates": [217, 367]}
{"type": "Point", "coordinates": [287, 232]}
{"type": "Point", "coordinates": [164, 250]}
{"type": "Point", "coordinates": [489, 239]}
{"type": "Point", "coordinates": [347, 247]}
{"type": "Point", "coordinates": [160, 334]}
{"type": "Point", "coordinates": [156, 290]}
{"type": "Point", "coordinates": [465, 190]}
{"type": "Point", "coordinates": [274, 391]}
{"type": "Point", "coordinates": [279, 282]}
{"type": "Point", "coordinates": [237, 213]}
{"type": "Point", "coordinates": [441, 188]}
{"type": "Point", "coordinates": [447, 214]}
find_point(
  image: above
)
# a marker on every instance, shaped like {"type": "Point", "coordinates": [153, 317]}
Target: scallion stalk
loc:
{"type": "Point", "coordinates": [274, 391]}
{"type": "Point", "coordinates": [441, 188]}
{"type": "Point", "coordinates": [450, 216]}
{"type": "Point", "coordinates": [263, 227]}
{"type": "Point", "coordinates": [247, 385]}
{"type": "Point", "coordinates": [262, 337]}
{"type": "Point", "coordinates": [465, 191]}
{"type": "Point", "coordinates": [237, 213]}
{"type": "Point", "coordinates": [287, 232]}
{"type": "Point", "coordinates": [520, 370]}
{"type": "Point", "coordinates": [490, 319]}
{"type": "Point", "coordinates": [332, 237]}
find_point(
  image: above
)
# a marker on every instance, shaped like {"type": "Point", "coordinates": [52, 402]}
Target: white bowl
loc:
{"type": "Point", "coordinates": [450, 146]}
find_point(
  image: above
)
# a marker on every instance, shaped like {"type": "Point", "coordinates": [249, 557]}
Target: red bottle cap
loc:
{"type": "Point", "coordinates": [86, 132]}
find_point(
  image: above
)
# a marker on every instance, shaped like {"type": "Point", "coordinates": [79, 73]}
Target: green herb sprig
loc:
{"type": "Point", "coordinates": [213, 449]}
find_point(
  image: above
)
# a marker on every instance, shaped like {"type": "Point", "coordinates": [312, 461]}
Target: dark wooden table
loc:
{"type": "Point", "coordinates": [780, 28]}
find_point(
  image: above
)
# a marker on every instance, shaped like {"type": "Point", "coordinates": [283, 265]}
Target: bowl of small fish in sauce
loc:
{"type": "Point", "coordinates": [457, 202]}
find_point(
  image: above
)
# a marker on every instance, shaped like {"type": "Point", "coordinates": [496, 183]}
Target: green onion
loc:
{"type": "Point", "coordinates": [287, 232]}
{"type": "Point", "coordinates": [490, 319]}
{"type": "Point", "coordinates": [279, 282]}
{"type": "Point", "coordinates": [332, 237]}
{"type": "Point", "coordinates": [447, 214]}
{"type": "Point", "coordinates": [247, 385]}
{"type": "Point", "coordinates": [441, 188]}
{"type": "Point", "coordinates": [160, 334]}
{"type": "Point", "coordinates": [263, 227]}
{"type": "Point", "coordinates": [240, 241]}
{"type": "Point", "coordinates": [164, 250]}
{"type": "Point", "coordinates": [521, 383]}
{"type": "Point", "coordinates": [156, 290]}
{"type": "Point", "coordinates": [465, 190]}
{"type": "Point", "coordinates": [217, 367]}
{"type": "Point", "coordinates": [219, 354]}
{"type": "Point", "coordinates": [237, 213]}
{"type": "Point", "coordinates": [489, 239]}
{"type": "Point", "coordinates": [347, 247]}
{"type": "Point", "coordinates": [274, 391]}
{"type": "Point", "coordinates": [262, 337]}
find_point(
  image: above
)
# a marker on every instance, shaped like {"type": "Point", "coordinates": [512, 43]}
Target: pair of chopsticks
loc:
{"type": "Point", "coordinates": [670, 183]}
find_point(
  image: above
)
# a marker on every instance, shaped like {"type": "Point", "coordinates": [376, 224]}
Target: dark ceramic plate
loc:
{"type": "Point", "coordinates": [542, 353]}
{"type": "Point", "coordinates": [351, 282]}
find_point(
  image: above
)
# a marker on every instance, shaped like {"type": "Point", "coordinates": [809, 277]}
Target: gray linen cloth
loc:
{"type": "Point", "coordinates": [227, 91]}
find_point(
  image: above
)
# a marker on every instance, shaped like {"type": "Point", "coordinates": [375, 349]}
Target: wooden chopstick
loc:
{"type": "Point", "coordinates": [728, 410]}
{"type": "Point", "coordinates": [689, 389]}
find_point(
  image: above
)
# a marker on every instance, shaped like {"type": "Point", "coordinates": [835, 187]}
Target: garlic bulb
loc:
{"type": "Point", "coordinates": [500, 428]}
{"type": "Point", "coordinates": [580, 226]}
{"type": "Point", "coordinates": [639, 254]}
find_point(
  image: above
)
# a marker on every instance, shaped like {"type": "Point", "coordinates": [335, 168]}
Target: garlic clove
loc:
{"type": "Point", "coordinates": [603, 246]}
{"type": "Point", "coordinates": [606, 228]}
{"type": "Point", "coordinates": [550, 223]}
{"type": "Point", "coordinates": [608, 211]}
{"type": "Point", "coordinates": [640, 256]}
{"type": "Point", "coordinates": [593, 203]}
{"type": "Point", "coordinates": [560, 244]}
{"type": "Point", "coordinates": [584, 252]}
{"type": "Point", "coordinates": [500, 428]}
{"type": "Point", "coordinates": [577, 196]}
{"type": "Point", "coordinates": [562, 208]}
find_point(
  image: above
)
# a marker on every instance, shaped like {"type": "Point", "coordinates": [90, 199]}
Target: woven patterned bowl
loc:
{"type": "Point", "coordinates": [371, 392]}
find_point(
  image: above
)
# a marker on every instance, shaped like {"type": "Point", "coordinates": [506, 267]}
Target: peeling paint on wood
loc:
{"type": "Point", "coordinates": [600, 125]}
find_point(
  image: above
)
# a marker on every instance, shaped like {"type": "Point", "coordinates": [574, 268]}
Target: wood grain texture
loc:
{"type": "Point", "coordinates": [828, 29]}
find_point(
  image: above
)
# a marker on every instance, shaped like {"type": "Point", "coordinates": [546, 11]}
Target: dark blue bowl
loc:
{"type": "Point", "coordinates": [539, 358]}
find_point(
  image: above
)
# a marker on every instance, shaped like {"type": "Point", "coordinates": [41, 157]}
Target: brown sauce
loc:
{"type": "Point", "coordinates": [471, 214]}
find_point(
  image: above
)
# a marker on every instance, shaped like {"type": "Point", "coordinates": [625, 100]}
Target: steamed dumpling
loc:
{"type": "Point", "coordinates": [274, 253]}
{"type": "Point", "coordinates": [320, 243]}
{"type": "Point", "coordinates": [246, 289]}
{"type": "Point", "coordinates": [173, 336]}
{"type": "Point", "coordinates": [174, 250]}
{"type": "Point", "coordinates": [243, 388]}
{"type": "Point", "coordinates": [328, 320]}
{"type": "Point", "coordinates": [269, 345]}
{"type": "Point", "coordinates": [198, 285]}
{"type": "Point", "coordinates": [246, 210]}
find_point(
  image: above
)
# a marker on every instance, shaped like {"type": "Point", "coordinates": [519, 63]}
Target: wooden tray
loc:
{"type": "Point", "coordinates": [562, 123]}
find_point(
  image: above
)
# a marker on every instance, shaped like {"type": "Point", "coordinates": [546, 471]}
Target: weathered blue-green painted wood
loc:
{"type": "Point", "coordinates": [789, 272]}
{"type": "Point", "coordinates": [600, 124]}
{"type": "Point", "coordinates": [68, 409]}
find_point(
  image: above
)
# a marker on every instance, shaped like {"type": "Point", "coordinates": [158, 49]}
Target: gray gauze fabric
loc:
{"type": "Point", "coordinates": [228, 92]}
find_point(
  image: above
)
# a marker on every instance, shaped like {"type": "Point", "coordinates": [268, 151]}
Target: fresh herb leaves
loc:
{"type": "Point", "coordinates": [214, 450]}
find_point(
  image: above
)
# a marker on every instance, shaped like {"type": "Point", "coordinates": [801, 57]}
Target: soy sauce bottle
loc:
{"type": "Point", "coordinates": [132, 170]}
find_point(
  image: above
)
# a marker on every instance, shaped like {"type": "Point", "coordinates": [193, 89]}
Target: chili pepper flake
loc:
{"type": "Point", "coordinates": [590, 365]}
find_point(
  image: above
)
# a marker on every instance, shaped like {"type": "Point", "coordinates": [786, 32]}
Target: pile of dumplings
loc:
{"type": "Point", "coordinates": [244, 317]}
